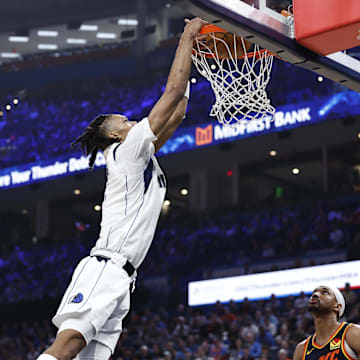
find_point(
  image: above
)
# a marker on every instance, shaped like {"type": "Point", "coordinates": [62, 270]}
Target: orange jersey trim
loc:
{"type": "Point", "coordinates": [331, 337]}
{"type": "Point", "coordinates": [305, 348]}
{"type": "Point", "coordinates": [348, 356]}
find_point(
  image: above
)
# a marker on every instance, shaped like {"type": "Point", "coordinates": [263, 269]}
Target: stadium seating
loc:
{"type": "Point", "coordinates": [42, 126]}
{"type": "Point", "coordinates": [263, 330]}
{"type": "Point", "coordinates": [232, 240]}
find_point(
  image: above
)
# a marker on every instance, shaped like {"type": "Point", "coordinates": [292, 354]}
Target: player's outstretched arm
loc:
{"type": "Point", "coordinates": [172, 124]}
{"type": "Point", "coordinates": [178, 77]}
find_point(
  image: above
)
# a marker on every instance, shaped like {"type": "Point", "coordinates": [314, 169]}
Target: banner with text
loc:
{"type": "Point", "coordinates": [281, 283]}
{"type": "Point", "coordinates": [192, 137]}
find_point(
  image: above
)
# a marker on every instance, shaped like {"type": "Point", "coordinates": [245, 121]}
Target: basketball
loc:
{"type": "Point", "coordinates": [226, 45]}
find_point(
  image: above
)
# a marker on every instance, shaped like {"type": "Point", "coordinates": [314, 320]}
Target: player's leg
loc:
{"type": "Point", "coordinates": [67, 345]}
{"type": "Point", "coordinates": [89, 304]}
{"type": "Point", "coordinates": [75, 328]}
{"type": "Point", "coordinates": [105, 340]}
{"type": "Point", "coordinates": [95, 351]}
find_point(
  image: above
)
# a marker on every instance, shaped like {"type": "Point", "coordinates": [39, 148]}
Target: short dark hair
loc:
{"type": "Point", "coordinates": [94, 138]}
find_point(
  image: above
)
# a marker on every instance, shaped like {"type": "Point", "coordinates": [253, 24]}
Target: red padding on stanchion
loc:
{"type": "Point", "coordinates": [327, 26]}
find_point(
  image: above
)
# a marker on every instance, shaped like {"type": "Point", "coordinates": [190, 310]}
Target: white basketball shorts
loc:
{"type": "Point", "coordinates": [96, 301]}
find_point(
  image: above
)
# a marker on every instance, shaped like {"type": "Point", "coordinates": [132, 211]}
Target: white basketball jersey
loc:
{"type": "Point", "coordinates": [134, 194]}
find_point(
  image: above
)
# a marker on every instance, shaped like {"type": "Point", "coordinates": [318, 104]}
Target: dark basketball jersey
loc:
{"type": "Point", "coordinates": [335, 349]}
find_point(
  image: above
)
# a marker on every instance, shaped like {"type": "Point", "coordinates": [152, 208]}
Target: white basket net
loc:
{"type": "Point", "coordinates": [240, 84]}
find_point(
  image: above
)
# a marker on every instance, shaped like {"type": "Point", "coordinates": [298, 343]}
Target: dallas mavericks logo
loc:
{"type": "Point", "coordinates": [78, 298]}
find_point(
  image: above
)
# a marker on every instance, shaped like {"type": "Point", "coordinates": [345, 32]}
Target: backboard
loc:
{"type": "Point", "coordinates": [261, 22]}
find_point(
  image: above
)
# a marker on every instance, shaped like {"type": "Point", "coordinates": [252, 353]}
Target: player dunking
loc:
{"type": "Point", "coordinates": [90, 315]}
{"type": "Point", "coordinates": [332, 340]}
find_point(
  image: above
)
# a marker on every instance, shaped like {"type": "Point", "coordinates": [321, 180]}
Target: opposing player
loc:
{"type": "Point", "coordinates": [90, 315]}
{"type": "Point", "coordinates": [332, 340]}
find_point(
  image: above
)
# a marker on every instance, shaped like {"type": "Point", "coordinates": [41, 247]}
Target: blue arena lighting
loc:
{"type": "Point", "coordinates": [349, 98]}
{"type": "Point", "coordinates": [46, 166]}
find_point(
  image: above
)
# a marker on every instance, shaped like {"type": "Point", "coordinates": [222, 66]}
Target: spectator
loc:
{"type": "Point", "coordinates": [349, 295]}
{"type": "Point", "coordinates": [265, 337]}
{"type": "Point", "coordinates": [156, 352]}
{"type": "Point", "coordinates": [254, 346]}
{"type": "Point", "coordinates": [336, 235]}
{"type": "Point", "coordinates": [334, 215]}
{"type": "Point", "coordinates": [354, 315]}
{"type": "Point", "coordinates": [272, 318]}
{"type": "Point", "coordinates": [268, 326]}
{"type": "Point", "coordinates": [259, 319]}
{"type": "Point", "coordinates": [246, 353]}
{"type": "Point", "coordinates": [282, 355]}
{"type": "Point", "coordinates": [202, 352]}
{"type": "Point", "coordinates": [301, 301]}
{"type": "Point", "coordinates": [237, 352]}
{"type": "Point", "coordinates": [147, 336]}
{"type": "Point", "coordinates": [217, 349]}
{"type": "Point", "coordinates": [297, 335]}
{"type": "Point", "coordinates": [246, 307]}
{"type": "Point", "coordinates": [181, 329]}
{"type": "Point", "coordinates": [354, 247]}
{"type": "Point", "coordinates": [182, 350]}
{"type": "Point", "coordinates": [144, 353]}
{"type": "Point", "coordinates": [274, 303]}
{"type": "Point", "coordinates": [283, 335]}
{"type": "Point", "coordinates": [249, 327]}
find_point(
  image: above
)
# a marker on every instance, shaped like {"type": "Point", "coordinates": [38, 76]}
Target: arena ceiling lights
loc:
{"type": "Point", "coordinates": [87, 27]}
{"type": "Point", "coordinates": [47, 47]}
{"type": "Point", "coordinates": [48, 33]}
{"type": "Point", "coordinates": [104, 35]}
{"type": "Point", "coordinates": [19, 39]}
{"type": "Point", "coordinates": [10, 55]}
{"type": "Point", "coordinates": [76, 41]}
{"type": "Point", "coordinates": [128, 22]}
{"type": "Point", "coordinates": [17, 45]}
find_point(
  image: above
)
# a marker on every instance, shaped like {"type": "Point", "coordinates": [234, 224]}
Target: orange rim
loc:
{"type": "Point", "coordinates": [211, 28]}
{"type": "Point", "coordinates": [207, 29]}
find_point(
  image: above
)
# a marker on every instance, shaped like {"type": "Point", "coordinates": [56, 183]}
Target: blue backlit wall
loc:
{"type": "Point", "coordinates": [185, 138]}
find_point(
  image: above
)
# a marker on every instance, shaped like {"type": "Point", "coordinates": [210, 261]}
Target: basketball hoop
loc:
{"type": "Point", "coordinates": [238, 77]}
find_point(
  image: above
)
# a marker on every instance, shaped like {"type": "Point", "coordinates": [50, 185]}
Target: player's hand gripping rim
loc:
{"type": "Point", "coordinates": [193, 27]}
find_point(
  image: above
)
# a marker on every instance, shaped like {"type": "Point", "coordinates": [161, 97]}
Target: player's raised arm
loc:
{"type": "Point", "coordinates": [178, 77]}
{"type": "Point", "coordinates": [173, 123]}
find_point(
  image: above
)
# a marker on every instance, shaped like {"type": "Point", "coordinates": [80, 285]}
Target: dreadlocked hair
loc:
{"type": "Point", "coordinates": [93, 139]}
